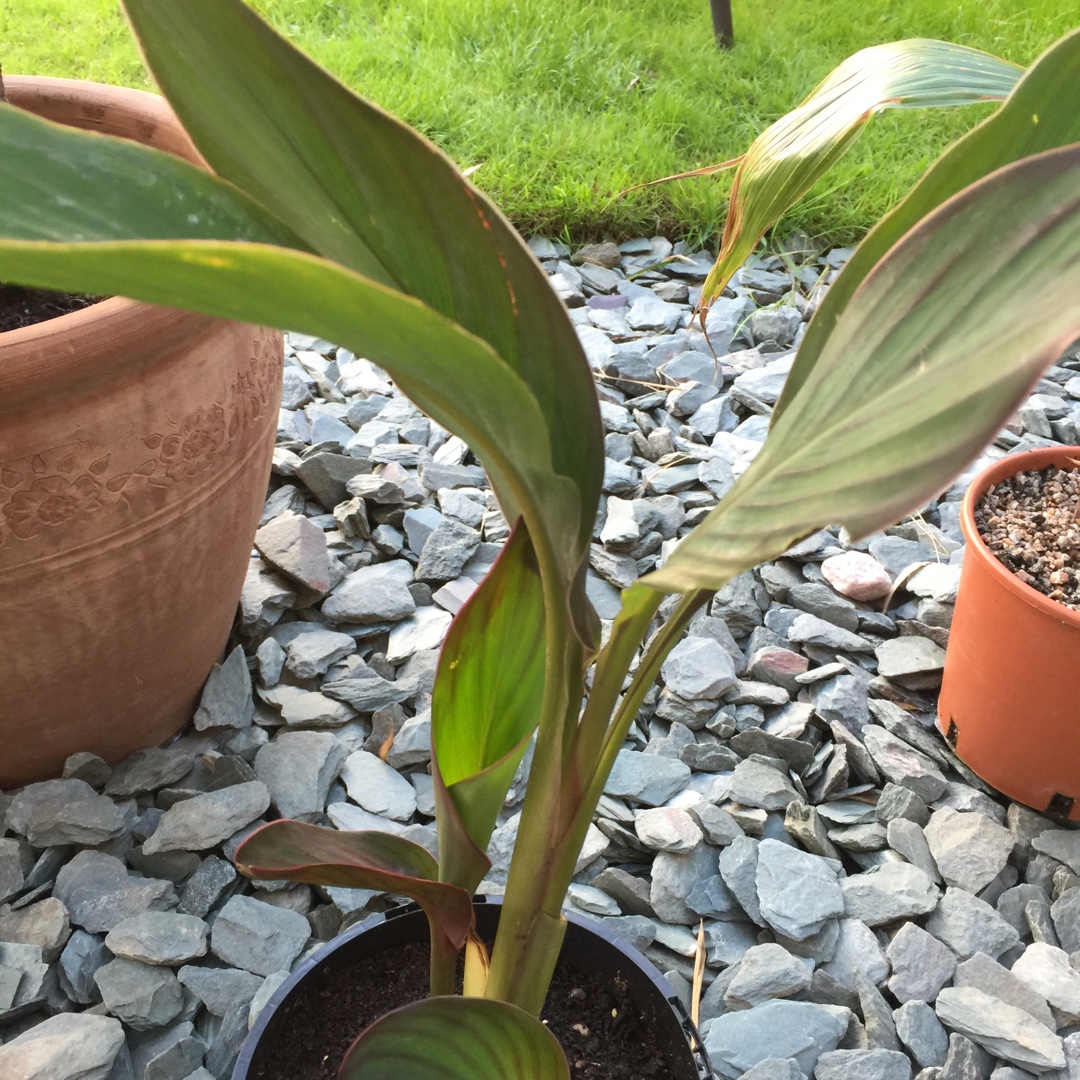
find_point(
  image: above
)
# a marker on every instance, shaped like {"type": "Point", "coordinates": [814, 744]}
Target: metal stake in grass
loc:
{"type": "Point", "coordinates": [722, 25]}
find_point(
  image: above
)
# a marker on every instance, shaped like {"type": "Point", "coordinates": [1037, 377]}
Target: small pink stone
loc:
{"type": "Point", "coordinates": [771, 660]}
{"type": "Point", "coordinates": [856, 575]}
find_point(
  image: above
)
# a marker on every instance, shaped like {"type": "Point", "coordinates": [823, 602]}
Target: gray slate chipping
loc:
{"type": "Point", "coordinates": [769, 725]}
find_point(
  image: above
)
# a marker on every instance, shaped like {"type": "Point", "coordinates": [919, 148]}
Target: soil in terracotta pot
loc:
{"type": "Point", "coordinates": [1029, 522]}
{"type": "Point", "coordinates": [23, 307]}
{"type": "Point", "coordinates": [597, 1024]}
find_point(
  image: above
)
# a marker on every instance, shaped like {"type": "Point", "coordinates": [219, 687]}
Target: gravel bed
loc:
{"type": "Point", "coordinates": [871, 909]}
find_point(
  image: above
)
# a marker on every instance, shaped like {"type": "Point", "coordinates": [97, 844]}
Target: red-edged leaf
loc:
{"type": "Point", "coordinates": [295, 851]}
{"type": "Point", "coordinates": [938, 346]}
{"type": "Point", "coordinates": [462, 861]}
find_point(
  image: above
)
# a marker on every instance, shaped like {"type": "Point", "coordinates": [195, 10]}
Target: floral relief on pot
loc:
{"type": "Point", "coordinates": [133, 465]}
{"type": "Point", "coordinates": [131, 473]}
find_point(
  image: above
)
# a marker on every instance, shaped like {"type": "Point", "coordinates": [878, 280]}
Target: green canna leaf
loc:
{"type": "Point", "coordinates": [937, 347]}
{"type": "Point", "coordinates": [788, 158]}
{"type": "Point", "coordinates": [68, 186]}
{"type": "Point", "coordinates": [1039, 114]}
{"type": "Point", "coordinates": [364, 189]}
{"type": "Point", "coordinates": [456, 1038]}
{"type": "Point", "coordinates": [487, 701]}
{"type": "Point", "coordinates": [462, 861]}
{"type": "Point", "coordinates": [103, 191]}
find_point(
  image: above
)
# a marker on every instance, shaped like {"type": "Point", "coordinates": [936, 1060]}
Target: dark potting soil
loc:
{"type": "Point", "coordinates": [1029, 521]}
{"type": "Point", "coordinates": [23, 307]}
{"type": "Point", "coordinates": [597, 1024]}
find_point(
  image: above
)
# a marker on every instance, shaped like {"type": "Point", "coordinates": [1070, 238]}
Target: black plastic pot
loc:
{"type": "Point", "coordinates": [586, 946]}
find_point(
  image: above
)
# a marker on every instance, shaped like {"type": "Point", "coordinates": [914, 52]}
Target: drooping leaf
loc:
{"type": "Point", "coordinates": [92, 180]}
{"type": "Point", "coordinates": [366, 190]}
{"type": "Point", "coordinates": [937, 347]}
{"type": "Point", "coordinates": [1040, 114]}
{"type": "Point", "coordinates": [456, 1038]}
{"type": "Point", "coordinates": [296, 851]}
{"type": "Point", "coordinates": [487, 700]}
{"type": "Point", "coordinates": [788, 158]}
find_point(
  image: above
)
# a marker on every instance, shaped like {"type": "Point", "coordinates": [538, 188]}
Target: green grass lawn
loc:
{"type": "Point", "coordinates": [564, 102]}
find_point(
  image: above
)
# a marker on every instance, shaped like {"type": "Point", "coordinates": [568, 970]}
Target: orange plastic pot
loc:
{"type": "Point", "coordinates": [135, 447]}
{"type": "Point", "coordinates": [1010, 694]}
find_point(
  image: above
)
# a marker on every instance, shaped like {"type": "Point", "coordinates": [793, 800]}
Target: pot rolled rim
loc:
{"type": "Point", "coordinates": [86, 319]}
{"type": "Point", "coordinates": [81, 88]}
{"type": "Point", "coordinates": [633, 956]}
{"type": "Point", "coordinates": [1003, 468]}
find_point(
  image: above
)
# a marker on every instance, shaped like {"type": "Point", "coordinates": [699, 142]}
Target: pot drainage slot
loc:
{"type": "Point", "coordinates": [952, 734]}
{"type": "Point", "coordinates": [1060, 806]}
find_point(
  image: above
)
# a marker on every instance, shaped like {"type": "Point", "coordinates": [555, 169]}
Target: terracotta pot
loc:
{"type": "Point", "coordinates": [135, 446]}
{"type": "Point", "coordinates": [1010, 695]}
{"type": "Point", "coordinates": [318, 981]}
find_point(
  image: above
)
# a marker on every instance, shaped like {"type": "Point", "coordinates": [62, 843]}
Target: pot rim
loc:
{"type": "Point", "coordinates": [95, 99]}
{"type": "Point", "coordinates": [1004, 467]}
{"type": "Point", "coordinates": [56, 84]}
{"type": "Point", "coordinates": [591, 926]}
{"type": "Point", "coordinates": [84, 320]}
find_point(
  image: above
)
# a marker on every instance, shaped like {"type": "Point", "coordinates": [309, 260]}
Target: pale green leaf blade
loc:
{"type": "Point", "coordinates": [491, 669]}
{"type": "Point", "coordinates": [69, 186]}
{"type": "Point", "coordinates": [489, 691]}
{"type": "Point", "coordinates": [288, 850]}
{"type": "Point", "coordinates": [788, 158]}
{"type": "Point", "coordinates": [456, 1038]}
{"type": "Point", "coordinates": [939, 345]}
{"type": "Point", "coordinates": [1040, 114]}
{"type": "Point", "coordinates": [364, 189]}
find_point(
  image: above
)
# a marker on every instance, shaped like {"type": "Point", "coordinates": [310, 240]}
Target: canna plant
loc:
{"type": "Point", "coordinates": [327, 216]}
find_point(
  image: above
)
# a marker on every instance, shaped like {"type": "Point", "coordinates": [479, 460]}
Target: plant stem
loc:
{"type": "Point", "coordinates": [663, 641]}
{"type": "Point", "coordinates": [638, 610]}
{"type": "Point", "coordinates": [558, 812]}
{"type": "Point", "coordinates": [518, 944]}
{"type": "Point", "coordinates": [525, 946]}
{"type": "Point", "coordinates": [661, 644]}
{"type": "Point", "coordinates": [443, 962]}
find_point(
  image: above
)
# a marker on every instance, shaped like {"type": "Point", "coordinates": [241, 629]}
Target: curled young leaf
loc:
{"type": "Point", "coordinates": [1038, 115]}
{"type": "Point", "coordinates": [487, 699]}
{"type": "Point", "coordinates": [788, 158]}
